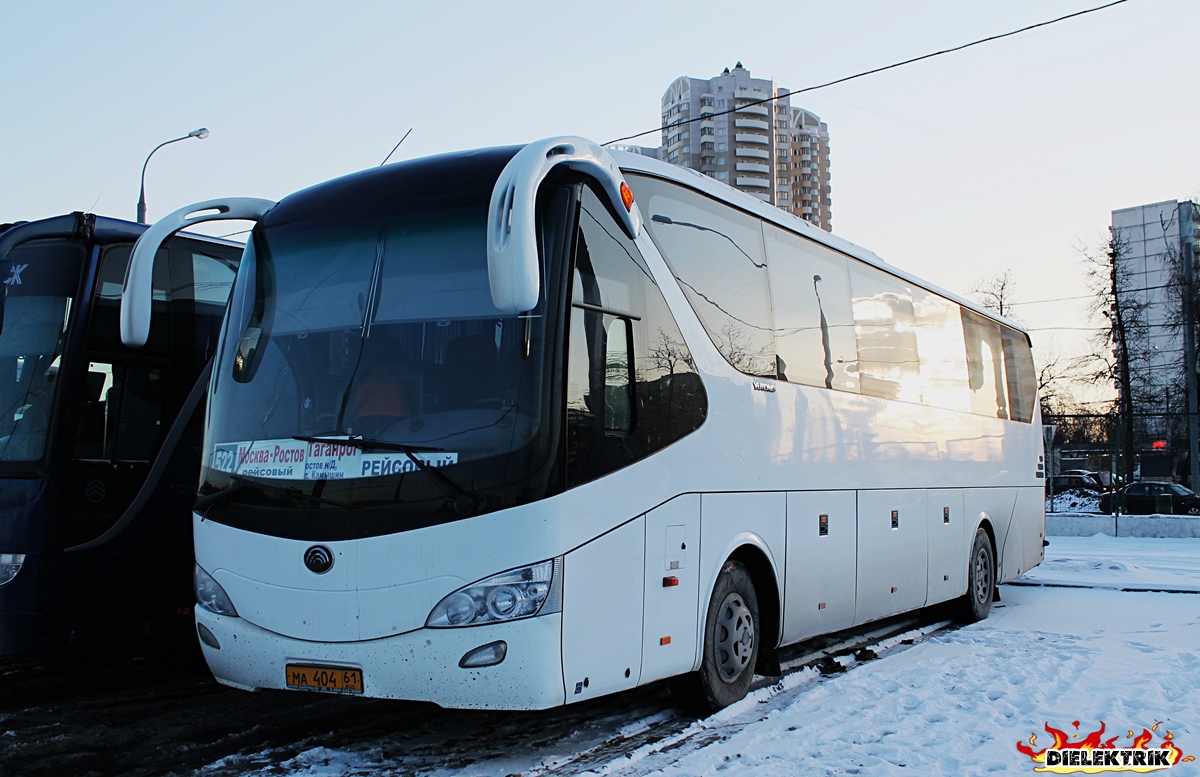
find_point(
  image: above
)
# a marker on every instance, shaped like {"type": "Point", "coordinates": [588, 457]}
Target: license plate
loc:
{"type": "Point", "coordinates": [330, 679]}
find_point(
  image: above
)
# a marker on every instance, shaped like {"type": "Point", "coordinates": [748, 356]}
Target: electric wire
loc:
{"type": "Point", "coordinates": [1093, 296]}
{"type": "Point", "coordinates": [873, 71]}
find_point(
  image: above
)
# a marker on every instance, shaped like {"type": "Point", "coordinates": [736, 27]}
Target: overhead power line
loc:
{"type": "Point", "coordinates": [873, 71]}
{"type": "Point", "coordinates": [1092, 296]}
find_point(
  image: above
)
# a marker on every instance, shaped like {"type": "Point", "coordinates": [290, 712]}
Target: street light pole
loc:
{"type": "Point", "coordinates": [199, 134]}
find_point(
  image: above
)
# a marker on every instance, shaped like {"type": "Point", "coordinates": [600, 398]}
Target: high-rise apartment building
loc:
{"type": "Point", "coordinates": [773, 151]}
{"type": "Point", "coordinates": [1151, 240]}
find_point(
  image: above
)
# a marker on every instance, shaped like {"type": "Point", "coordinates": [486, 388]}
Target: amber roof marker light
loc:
{"type": "Point", "coordinates": [626, 196]}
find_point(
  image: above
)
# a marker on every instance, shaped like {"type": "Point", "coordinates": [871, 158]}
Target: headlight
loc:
{"type": "Point", "coordinates": [10, 565]}
{"type": "Point", "coordinates": [210, 595]}
{"type": "Point", "coordinates": [518, 593]}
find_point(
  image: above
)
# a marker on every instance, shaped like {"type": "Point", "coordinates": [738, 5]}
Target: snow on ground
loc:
{"type": "Point", "coordinates": [957, 702]}
{"type": "Point", "coordinates": [1130, 563]}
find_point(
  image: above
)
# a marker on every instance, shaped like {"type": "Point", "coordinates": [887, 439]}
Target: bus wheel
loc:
{"type": "Point", "coordinates": [731, 636]}
{"type": "Point", "coordinates": [981, 580]}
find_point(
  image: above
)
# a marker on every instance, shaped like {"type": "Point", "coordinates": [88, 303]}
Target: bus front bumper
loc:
{"type": "Point", "coordinates": [421, 665]}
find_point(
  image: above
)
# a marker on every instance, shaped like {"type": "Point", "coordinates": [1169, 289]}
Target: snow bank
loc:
{"type": "Point", "coordinates": [1088, 524]}
{"type": "Point", "coordinates": [1074, 502]}
{"type": "Point", "coordinates": [1120, 563]}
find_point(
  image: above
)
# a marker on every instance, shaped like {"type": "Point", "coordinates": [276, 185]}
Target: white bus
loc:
{"type": "Point", "coordinates": [484, 431]}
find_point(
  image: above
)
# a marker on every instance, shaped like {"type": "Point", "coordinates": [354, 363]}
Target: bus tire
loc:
{"type": "Point", "coordinates": [981, 580]}
{"type": "Point", "coordinates": [731, 644]}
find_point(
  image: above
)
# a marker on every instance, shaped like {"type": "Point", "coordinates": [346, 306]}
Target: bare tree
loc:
{"type": "Point", "coordinates": [1077, 423]}
{"type": "Point", "coordinates": [996, 293]}
{"type": "Point", "coordinates": [738, 346]}
{"type": "Point", "coordinates": [667, 357]}
{"type": "Point", "coordinates": [1053, 379]}
{"type": "Point", "coordinates": [1120, 354]}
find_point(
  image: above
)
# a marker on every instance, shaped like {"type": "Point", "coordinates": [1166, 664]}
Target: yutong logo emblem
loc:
{"type": "Point", "coordinates": [318, 559]}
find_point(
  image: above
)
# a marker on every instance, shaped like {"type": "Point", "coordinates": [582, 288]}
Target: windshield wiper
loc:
{"type": "Point", "coordinates": [241, 483]}
{"type": "Point", "coordinates": [464, 501]}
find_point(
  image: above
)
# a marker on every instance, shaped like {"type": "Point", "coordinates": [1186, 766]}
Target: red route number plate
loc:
{"type": "Point", "coordinates": [330, 679]}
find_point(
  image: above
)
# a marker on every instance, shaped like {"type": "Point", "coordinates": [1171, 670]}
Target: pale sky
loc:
{"type": "Point", "coordinates": [1007, 155]}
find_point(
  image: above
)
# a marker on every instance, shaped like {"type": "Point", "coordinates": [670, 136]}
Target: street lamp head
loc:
{"type": "Point", "coordinates": [199, 134]}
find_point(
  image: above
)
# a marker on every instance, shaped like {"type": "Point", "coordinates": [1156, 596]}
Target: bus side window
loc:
{"type": "Point", "coordinates": [1021, 377]}
{"type": "Point", "coordinates": [941, 345]}
{"type": "Point", "coordinates": [111, 279]}
{"type": "Point", "coordinates": [91, 435]}
{"type": "Point", "coordinates": [814, 322]}
{"type": "Point", "coordinates": [985, 365]}
{"type": "Point", "coordinates": [139, 422]}
{"type": "Point", "coordinates": [120, 413]}
{"type": "Point", "coordinates": [618, 383]}
{"type": "Point", "coordinates": [718, 255]}
{"type": "Point", "coordinates": [885, 328]}
{"type": "Point", "coordinates": [631, 385]}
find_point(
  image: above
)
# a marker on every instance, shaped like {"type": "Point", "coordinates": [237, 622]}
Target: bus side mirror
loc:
{"type": "Point", "coordinates": [138, 294]}
{"type": "Point", "coordinates": [512, 247]}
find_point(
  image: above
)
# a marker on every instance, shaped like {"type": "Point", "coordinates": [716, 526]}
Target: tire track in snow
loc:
{"type": "Point", "coordinates": [660, 745]}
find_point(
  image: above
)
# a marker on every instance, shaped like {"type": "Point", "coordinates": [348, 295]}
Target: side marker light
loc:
{"type": "Point", "coordinates": [626, 196]}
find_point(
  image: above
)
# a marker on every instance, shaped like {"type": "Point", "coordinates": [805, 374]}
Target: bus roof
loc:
{"type": "Point", "coordinates": [86, 227]}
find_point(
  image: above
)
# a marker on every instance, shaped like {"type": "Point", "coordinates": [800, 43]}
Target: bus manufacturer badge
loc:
{"type": "Point", "coordinates": [95, 492]}
{"type": "Point", "coordinates": [15, 278]}
{"type": "Point", "coordinates": [767, 387]}
{"type": "Point", "coordinates": [318, 559]}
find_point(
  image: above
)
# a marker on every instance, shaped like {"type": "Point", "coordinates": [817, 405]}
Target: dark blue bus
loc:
{"type": "Point", "coordinates": [99, 443]}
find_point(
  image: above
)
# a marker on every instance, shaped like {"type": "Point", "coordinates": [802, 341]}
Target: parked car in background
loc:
{"type": "Point", "coordinates": [1143, 498]}
{"type": "Point", "coordinates": [1103, 478]}
{"type": "Point", "coordinates": [1085, 482]}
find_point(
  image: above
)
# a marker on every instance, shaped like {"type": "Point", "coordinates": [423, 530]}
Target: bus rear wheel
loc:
{"type": "Point", "coordinates": [981, 580]}
{"type": "Point", "coordinates": [731, 643]}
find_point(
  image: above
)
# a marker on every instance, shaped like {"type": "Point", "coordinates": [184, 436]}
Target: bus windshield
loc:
{"type": "Point", "coordinates": [362, 351]}
{"type": "Point", "coordinates": [39, 292]}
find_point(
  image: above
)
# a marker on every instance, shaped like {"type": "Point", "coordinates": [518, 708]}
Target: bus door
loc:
{"type": "Point", "coordinates": [126, 402]}
{"type": "Point", "coordinates": [117, 411]}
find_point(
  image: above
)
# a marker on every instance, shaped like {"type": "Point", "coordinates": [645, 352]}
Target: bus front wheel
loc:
{"type": "Point", "coordinates": [731, 637]}
{"type": "Point", "coordinates": [981, 580]}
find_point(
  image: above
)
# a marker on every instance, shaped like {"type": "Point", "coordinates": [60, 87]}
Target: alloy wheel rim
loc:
{"type": "Point", "coordinates": [983, 569]}
{"type": "Point", "coordinates": [734, 641]}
